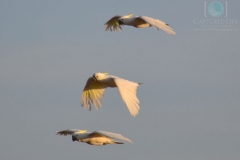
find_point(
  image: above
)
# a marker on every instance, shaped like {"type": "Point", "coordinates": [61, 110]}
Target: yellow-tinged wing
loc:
{"type": "Point", "coordinates": [92, 93]}
{"type": "Point", "coordinates": [128, 91]}
{"type": "Point", "coordinates": [113, 24]}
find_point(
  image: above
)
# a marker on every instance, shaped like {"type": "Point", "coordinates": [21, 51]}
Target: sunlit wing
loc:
{"type": "Point", "coordinates": [92, 93]}
{"type": "Point", "coordinates": [127, 90]}
{"type": "Point", "coordinates": [113, 24]}
{"type": "Point", "coordinates": [67, 132]}
{"type": "Point", "coordinates": [157, 24]}
{"type": "Point", "coordinates": [109, 135]}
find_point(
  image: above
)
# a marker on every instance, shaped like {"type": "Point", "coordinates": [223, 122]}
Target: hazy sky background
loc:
{"type": "Point", "coordinates": [189, 100]}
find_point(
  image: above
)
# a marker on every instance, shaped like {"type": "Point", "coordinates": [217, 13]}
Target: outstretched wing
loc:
{"type": "Point", "coordinates": [67, 132]}
{"type": "Point", "coordinates": [157, 24]}
{"type": "Point", "coordinates": [127, 90]}
{"type": "Point", "coordinates": [92, 93]}
{"type": "Point", "coordinates": [109, 135]}
{"type": "Point", "coordinates": [113, 24]}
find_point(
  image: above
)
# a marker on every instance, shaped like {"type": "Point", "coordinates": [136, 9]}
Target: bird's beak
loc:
{"type": "Point", "coordinates": [74, 138]}
{"type": "Point", "coordinates": [120, 22]}
{"type": "Point", "coordinates": [94, 78]}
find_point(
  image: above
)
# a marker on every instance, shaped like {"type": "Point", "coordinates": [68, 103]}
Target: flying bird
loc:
{"type": "Point", "coordinates": [114, 24]}
{"type": "Point", "coordinates": [96, 85]}
{"type": "Point", "coordinates": [97, 138]}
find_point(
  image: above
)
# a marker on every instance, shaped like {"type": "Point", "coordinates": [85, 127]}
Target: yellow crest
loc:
{"type": "Point", "coordinates": [127, 16]}
{"type": "Point", "coordinates": [130, 15]}
{"type": "Point", "coordinates": [105, 72]}
{"type": "Point", "coordinates": [82, 131]}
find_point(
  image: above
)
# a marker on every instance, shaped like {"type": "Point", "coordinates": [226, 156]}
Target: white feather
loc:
{"type": "Point", "coordinates": [138, 21]}
{"type": "Point", "coordinates": [94, 91]}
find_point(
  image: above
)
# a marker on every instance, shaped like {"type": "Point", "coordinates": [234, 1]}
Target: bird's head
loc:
{"type": "Point", "coordinates": [121, 20]}
{"type": "Point", "coordinates": [76, 134]}
{"type": "Point", "coordinates": [99, 76]}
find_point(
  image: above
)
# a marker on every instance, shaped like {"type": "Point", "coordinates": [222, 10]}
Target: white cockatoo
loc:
{"type": "Point", "coordinates": [96, 85]}
{"type": "Point", "coordinates": [97, 138]}
{"type": "Point", "coordinates": [114, 24]}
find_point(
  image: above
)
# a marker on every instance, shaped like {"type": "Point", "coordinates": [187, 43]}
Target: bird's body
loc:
{"type": "Point", "coordinates": [109, 81]}
{"type": "Point", "coordinates": [114, 24]}
{"type": "Point", "coordinates": [97, 138]}
{"type": "Point", "coordinates": [96, 85]}
{"type": "Point", "coordinates": [138, 23]}
{"type": "Point", "coordinates": [99, 141]}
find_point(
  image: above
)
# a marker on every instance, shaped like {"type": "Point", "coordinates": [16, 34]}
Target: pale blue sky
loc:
{"type": "Point", "coordinates": [189, 100]}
